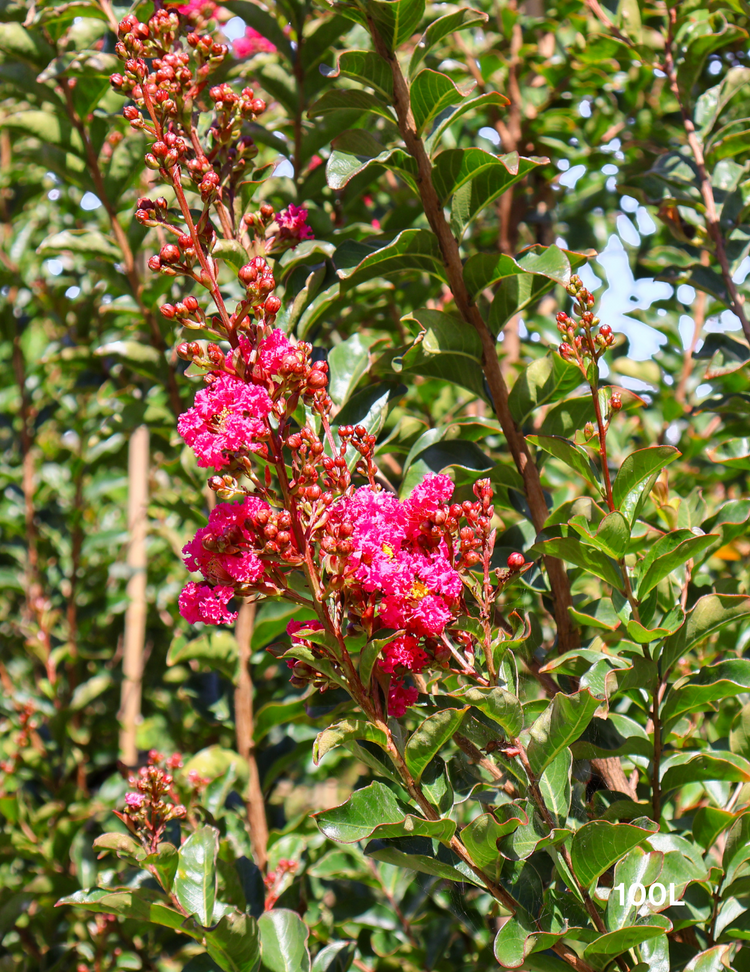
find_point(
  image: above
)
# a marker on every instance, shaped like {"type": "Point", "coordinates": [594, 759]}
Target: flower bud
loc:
{"type": "Point", "coordinates": [168, 311]}
{"type": "Point", "coordinates": [615, 402]}
{"type": "Point", "coordinates": [516, 561]}
{"type": "Point", "coordinates": [272, 305]}
{"type": "Point", "coordinates": [169, 253]}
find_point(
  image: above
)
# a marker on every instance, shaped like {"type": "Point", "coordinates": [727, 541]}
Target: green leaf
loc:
{"type": "Point", "coordinates": [347, 361]}
{"type": "Point", "coordinates": [489, 99]}
{"type": "Point", "coordinates": [545, 380]}
{"type": "Point", "coordinates": [164, 862]}
{"type": "Point", "coordinates": [739, 737]}
{"type": "Point", "coordinates": [616, 942]}
{"type": "Point", "coordinates": [520, 937]}
{"type": "Point", "coordinates": [599, 844]}
{"type": "Point", "coordinates": [26, 45]}
{"type": "Point", "coordinates": [232, 251]}
{"type": "Point", "coordinates": [597, 614]}
{"type": "Point", "coordinates": [349, 99]}
{"type": "Point", "coordinates": [567, 452]}
{"type": "Point", "coordinates": [375, 811]}
{"type": "Point", "coordinates": [705, 766]}
{"type": "Point", "coordinates": [336, 957]}
{"type": "Point", "coordinates": [356, 150]}
{"type": "Point", "coordinates": [367, 407]}
{"type": "Point", "coordinates": [561, 723]}
{"type": "Point", "coordinates": [712, 960]}
{"type": "Point", "coordinates": [417, 854]}
{"type": "Point", "coordinates": [412, 249]}
{"type": "Point", "coordinates": [574, 552]}
{"type": "Point", "coordinates": [86, 692]}
{"type": "Point", "coordinates": [637, 475]}
{"type": "Point", "coordinates": [737, 848]}
{"type": "Point", "coordinates": [711, 613]}
{"type": "Point", "coordinates": [640, 866]}
{"type": "Point", "coordinates": [612, 534]}
{"type": "Point", "coordinates": [499, 705]}
{"type": "Point", "coordinates": [555, 787]}
{"type": "Point", "coordinates": [86, 243]}
{"type": "Point", "coordinates": [234, 943]}
{"type": "Point", "coordinates": [711, 684]}
{"type": "Point", "coordinates": [460, 19]}
{"type": "Point", "coordinates": [735, 453]}
{"type": "Point", "coordinates": [481, 836]}
{"type": "Point", "coordinates": [667, 554]}
{"type": "Point", "coordinates": [445, 348]}
{"type": "Point", "coordinates": [708, 823]}
{"type": "Point", "coordinates": [430, 93]}
{"type": "Point", "coordinates": [428, 739]}
{"type": "Point", "coordinates": [283, 941]}
{"type": "Point", "coordinates": [474, 178]}
{"type": "Point", "coordinates": [668, 625]}
{"type": "Point", "coordinates": [344, 730]}
{"type": "Point", "coordinates": [195, 881]}
{"type": "Point", "coordinates": [142, 905]}
{"type": "Point", "coordinates": [123, 845]}
{"type": "Point", "coordinates": [367, 68]}
{"type": "Point", "coordinates": [47, 126]}
{"type": "Point", "coordinates": [395, 20]}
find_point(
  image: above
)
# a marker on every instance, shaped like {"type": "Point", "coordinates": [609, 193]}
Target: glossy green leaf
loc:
{"type": "Point", "coordinates": [430, 737]}
{"type": "Point", "coordinates": [561, 723]}
{"type": "Point", "coordinates": [598, 614]}
{"type": "Point", "coordinates": [344, 730]}
{"type": "Point", "coordinates": [612, 534]}
{"type": "Point", "coordinates": [555, 787]}
{"type": "Point", "coordinates": [417, 854]}
{"type": "Point", "coordinates": [640, 866]}
{"type": "Point", "coordinates": [568, 452]}
{"type": "Point", "coordinates": [350, 99]}
{"type": "Point", "coordinates": [283, 941]}
{"type": "Point", "coordinates": [667, 554]}
{"type": "Point", "coordinates": [518, 939]}
{"type": "Point", "coordinates": [356, 150]}
{"type": "Point", "coordinates": [712, 960]}
{"type": "Point", "coordinates": [335, 957]}
{"type": "Point", "coordinates": [431, 92]}
{"type": "Point", "coordinates": [195, 881]}
{"type": "Point", "coordinates": [599, 844]}
{"type": "Point", "coordinates": [734, 453]}
{"type": "Point", "coordinates": [711, 684]}
{"type": "Point", "coordinates": [544, 381]}
{"type": "Point", "coordinates": [164, 861]}
{"type": "Point", "coordinates": [395, 20]}
{"type": "Point", "coordinates": [234, 944]}
{"type": "Point", "coordinates": [232, 251]}
{"type": "Point", "coordinates": [367, 68]}
{"type": "Point", "coordinates": [481, 836]}
{"type": "Point", "coordinates": [710, 613]}
{"type": "Point", "coordinates": [636, 477]}
{"type": "Point", "coordinates": [708, 823]}
{"type": "Point", "coordinates": [737, 848]}
{"type": "Point", "coordinates": [444, 348]}
{"type": "Point", "coordinates": [574, 552]}
{"type": "Point", "coordinates": [705, 766]}
{"type": "Point", "coordinates": [267, 26]}
{"type": "Point", "coordinates": [502, 707]}
{"type": "Point", "coordinates": [374, 810]}
{"type": "Point", "coordinates": [347, 363]}
{"type": "Point", "coordinates": [616, 942]}
{"type": "Point", "coordinates": [145, 905]}
{"type": "Point", "coordinates": [413, 249]}
{"type": "Point", "coordinates": [87, 243]}
{"type": "Point", "coordinates": [488, 99]}
{"type": "Point", "coordinates": [441, 28]}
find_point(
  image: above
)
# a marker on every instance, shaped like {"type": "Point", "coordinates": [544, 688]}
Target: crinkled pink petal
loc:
{"type": "Point", "coordinates": [400, 697]}
{"type": "Point", "coordinates": [200, 602]}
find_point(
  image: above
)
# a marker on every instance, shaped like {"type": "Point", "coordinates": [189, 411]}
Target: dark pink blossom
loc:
{"type": "Point", "coordinates": [400, 697]}
{"type": "Point", "coordinates": [200, 602]}
{"type": "Point", "coordinates": [404, 652]}
{"type": "Point", "coordinates": [292, 223]}
{"type": "Point", "coordinates": [134, 801]}
{"type": "Point", "coordinates": [227, 416]}
{"type": "Point", "coordinates": [252, 43]}
{"type": "Point", "coordinates": [223, 549]}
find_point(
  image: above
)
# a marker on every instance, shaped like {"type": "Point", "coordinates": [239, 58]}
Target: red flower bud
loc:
{"type": "Point", "coordinates": [169, 253]}
{"type": "Point", "coordinates": [516, 561]}
{"type": "Point", "coordinates": [272, 305]}
{"type": "Point", "coordinates": [167, 310]}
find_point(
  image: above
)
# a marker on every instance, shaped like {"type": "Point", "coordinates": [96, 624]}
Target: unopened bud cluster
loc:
{"type": "Point", "coordinates": [587, 337]}
{"type": "Point", "coordinates": [148, 805]}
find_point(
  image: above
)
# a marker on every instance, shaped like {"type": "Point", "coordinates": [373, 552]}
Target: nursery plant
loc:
{"type": "Point", "coordinates": [444, 606]}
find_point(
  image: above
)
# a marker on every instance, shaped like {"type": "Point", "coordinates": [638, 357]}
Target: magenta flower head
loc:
{"type": "Point", "coordinates": [252, 43]}
{"type": "Point", "coordinates": [200, 602]}
{"type": "Point", "coordinates": [134, 801]}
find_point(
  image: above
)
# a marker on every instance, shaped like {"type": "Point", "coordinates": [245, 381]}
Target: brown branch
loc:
{"type": "Point", "coordinates": [699, 320]}
{"type": "Point", "coordinates": [245, 730]}
{"type": "Point", "coordinates": [567, 633]}
{"type": "Point", "coordinates": [712, 218]}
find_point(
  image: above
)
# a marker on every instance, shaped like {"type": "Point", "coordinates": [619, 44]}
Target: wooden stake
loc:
{"type": "Point", "coordinates": [135, 615]}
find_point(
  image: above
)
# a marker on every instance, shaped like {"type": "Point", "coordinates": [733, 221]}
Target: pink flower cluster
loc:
{"type": "Point", "coordinates": [292, 223]}
{"type": "Point", "coordinates": [229, 415]}
{"type": "Point", "coordinates": [252, 43]}
{"type": "Point", "coordinates": [205, 7]}
{"type": "Point", "coordinates": [224, 552]}
{"type": "Point", "coordinates": [394, 565]}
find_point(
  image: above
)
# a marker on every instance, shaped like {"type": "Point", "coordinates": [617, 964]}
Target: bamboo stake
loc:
{"type": "Point", "coordinates": [245, 725]}
{"type": "Point", "coordinates": [135, 615]}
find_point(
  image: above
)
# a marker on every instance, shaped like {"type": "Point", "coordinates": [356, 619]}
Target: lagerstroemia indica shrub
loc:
{"type": "Point", "coordinates": [420, 614]}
